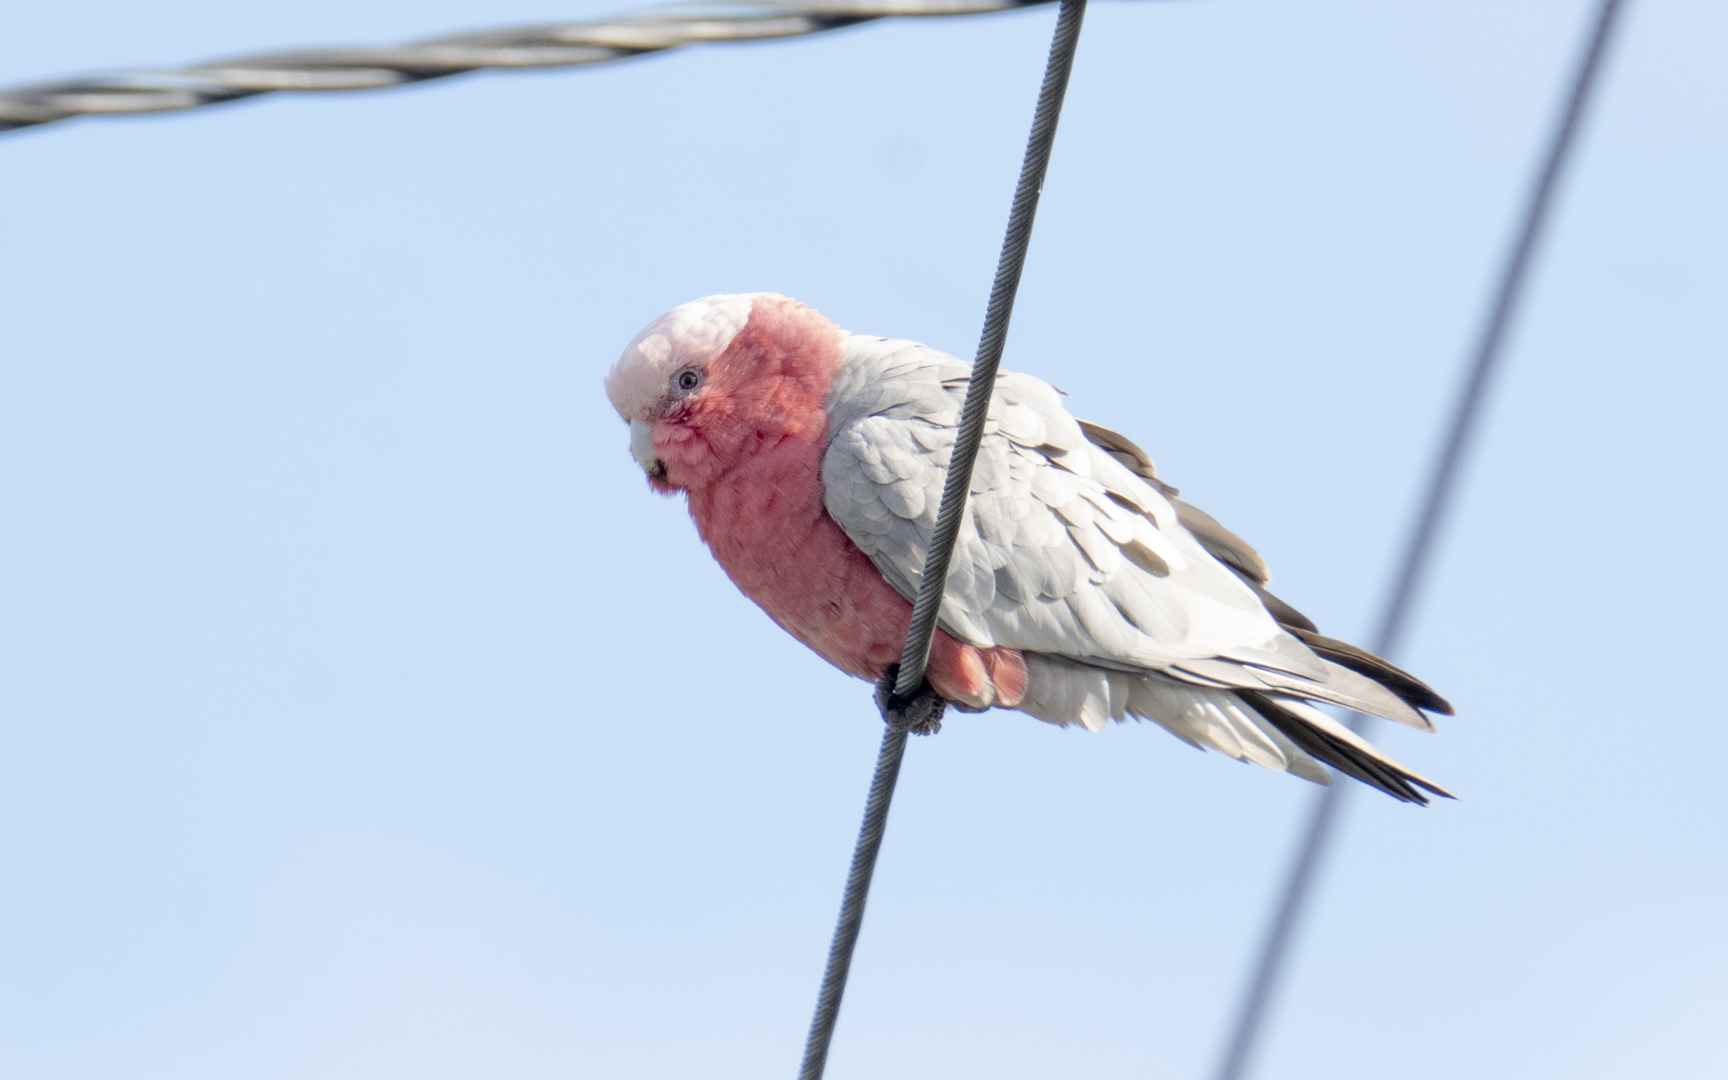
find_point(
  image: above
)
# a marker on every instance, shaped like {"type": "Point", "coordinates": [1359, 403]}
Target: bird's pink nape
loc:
{"type": "Point", "coordinates": [748, 451]}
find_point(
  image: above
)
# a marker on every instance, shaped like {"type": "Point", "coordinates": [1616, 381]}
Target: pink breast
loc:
{"type": "Point", "coordinates": [765, 522]}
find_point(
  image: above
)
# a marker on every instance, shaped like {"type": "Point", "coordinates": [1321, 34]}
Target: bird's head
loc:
{"type": "Point", "coordinates": [713, 381]}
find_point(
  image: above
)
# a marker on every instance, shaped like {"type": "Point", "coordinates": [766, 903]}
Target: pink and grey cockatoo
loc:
{"type": "Point", "coordinates": [1082, 590]}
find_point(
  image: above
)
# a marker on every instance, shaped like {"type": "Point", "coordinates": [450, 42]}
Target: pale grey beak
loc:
{"type": "Point", "coordinates": [642, 448]}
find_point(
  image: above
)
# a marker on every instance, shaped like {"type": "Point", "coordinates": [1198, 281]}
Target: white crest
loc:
{"type": "Point", "coordinates": [690, 335]}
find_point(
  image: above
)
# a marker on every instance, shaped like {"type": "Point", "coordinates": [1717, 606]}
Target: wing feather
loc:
{"type": "Point", "coordinates": [1130, 601]}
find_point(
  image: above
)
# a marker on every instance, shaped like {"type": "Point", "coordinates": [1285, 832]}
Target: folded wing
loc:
{"type": "Point", "coordinates": [1125, 600]}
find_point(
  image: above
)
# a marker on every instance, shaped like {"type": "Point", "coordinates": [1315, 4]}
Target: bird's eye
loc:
{"type": "Point", "coordinates": [688, 379]}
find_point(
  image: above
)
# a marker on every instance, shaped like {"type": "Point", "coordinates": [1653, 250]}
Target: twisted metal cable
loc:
{"type": "Point", "coordinates": [959, 482]}
{"type": "Point", "coordinates": [852, 906]}
{"type": "Point", "coordinates": [994, 336]}
{"type": "Point", "coordinates": [118, 93]}
{"type": "Point", "coordinates": [1418, 555]}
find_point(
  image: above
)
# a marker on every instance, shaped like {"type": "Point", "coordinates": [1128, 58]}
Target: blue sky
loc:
{"type": "Point", "coordinates": [366, 715]}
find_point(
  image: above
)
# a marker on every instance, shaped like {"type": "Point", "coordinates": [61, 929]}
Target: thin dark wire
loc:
{"type": "Point", "coordinates": [1419, 548]}
{"type": "Point", "coordinates": [852, 907]}
{"type": "Point", "coordinates": [959, 481]}
{"type": "Point", "coordinates": [996, 317]}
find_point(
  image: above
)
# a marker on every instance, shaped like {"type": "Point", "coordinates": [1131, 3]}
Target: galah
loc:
{"type": "Point", "coordinates": [1082, 589]}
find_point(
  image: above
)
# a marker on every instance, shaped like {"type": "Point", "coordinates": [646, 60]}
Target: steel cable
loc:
{"type": "Point", "coordinates": [656, 29]}
{"type": "Point", "coordinates": [1440, 492]}
{"type": "Point", "coordinates": [994, 336]}
{"type": "Point", "coordinates": [852, 905]}
{"type": "Point", "coordinates": [954, 492]}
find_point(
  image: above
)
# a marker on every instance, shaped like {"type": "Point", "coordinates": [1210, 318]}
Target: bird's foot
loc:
{"type": "Point", "coordinates": [920, 714]}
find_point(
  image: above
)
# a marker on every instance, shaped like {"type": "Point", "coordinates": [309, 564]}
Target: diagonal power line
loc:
{"type": "Point", "coordinates": [954, 491]}
{"type": "Point", "coordinates": [1440, 492]}
{"type": "Point", "coordinates": [650, 30]}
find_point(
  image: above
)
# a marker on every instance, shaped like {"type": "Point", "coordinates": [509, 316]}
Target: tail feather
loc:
{"type": "Point", "coordinates": [1065, 692]}
{"type": "Point", "coordinates": [1288, 617]}
{"type": "Point", "coordinates": [1394, 678]}
{"type": "Point", "coordinates": [1278, 692]}
{"type": "Point", "coordinates": [1407, 686]}
{"type": "Point", "coordinates": [1341, 686]}
{"type": "Point", "coordinates": [1326, 739]}
{"type": "Point", "coordinates": [1267, 727]}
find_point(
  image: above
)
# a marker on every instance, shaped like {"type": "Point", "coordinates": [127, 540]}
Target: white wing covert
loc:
{"type": "Point", "coordinates": [1067, 554]}
{"type": "Point", "coordinates": [1063, 550]}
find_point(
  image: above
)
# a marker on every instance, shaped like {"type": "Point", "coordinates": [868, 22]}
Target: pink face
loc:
{"type": "Point", "coordinates": [709, 379]}
{"type": "Point", "coordinates": [667, 363]}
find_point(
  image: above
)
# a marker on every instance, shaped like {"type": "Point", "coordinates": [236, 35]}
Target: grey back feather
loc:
{"type": "Point", "coordinates": [1071, 546]}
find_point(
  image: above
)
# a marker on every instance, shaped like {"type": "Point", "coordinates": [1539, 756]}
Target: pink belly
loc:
{"type": "Point", "coordinates": [767, 527]}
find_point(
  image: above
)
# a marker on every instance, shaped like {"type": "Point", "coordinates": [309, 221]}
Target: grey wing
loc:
{"type": "Point", "coordinates": [1064, 549]}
